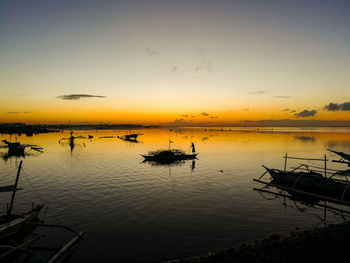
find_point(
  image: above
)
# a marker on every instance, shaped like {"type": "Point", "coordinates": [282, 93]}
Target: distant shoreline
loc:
{"type": "Point", "coordinates": [31, 129]}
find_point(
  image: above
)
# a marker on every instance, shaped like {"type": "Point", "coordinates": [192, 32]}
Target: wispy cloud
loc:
{"type": "Point", "coordinates": [150, 51]}
{"type": "Point", "coordinates": [18, 112]}
{"type": "Point", "coordinates": [206, 114]}
{"type": "Point", "coordinates": [338, 107]}
{"type": "Point", "coordinates": [306, 113]}
{"type": "Point", "coordinates": [205, 64]}
{"type": "Point", "coordinates": [257, 92]}
{"type": "Point", "coordinates": [78, 96]}
{"type": "Point", "coordinates": [282, 97]}
{"type": "Point", "coordinates": [286, 110]}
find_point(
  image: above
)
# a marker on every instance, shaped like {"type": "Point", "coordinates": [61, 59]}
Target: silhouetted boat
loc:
{"type": "Point", "coordinates": [11, 224]}
{"type": "Point", "coordinates": [171, 155]}
{"type": "Point", "coordinates": [16, 148]}
{"type": "Point", "coordinates": [16, 234]}
{"type": "Point", "coordinates": [345, 158]}
{"type": "Point", "coordinates": [310, 181]}
{"type": "Point", "coordinates": [132, 136]}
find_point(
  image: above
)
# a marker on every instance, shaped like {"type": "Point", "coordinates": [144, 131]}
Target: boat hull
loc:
{"type": "Point", "coordinates": [17, 223]}
{"type": "Point", "coordinates": [173, 158]}
{"type": "Point", "coordinates": [311, 182]}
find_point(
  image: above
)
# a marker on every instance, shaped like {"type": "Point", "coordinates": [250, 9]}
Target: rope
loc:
{"type": "Point", "coordinates": [39, 196]}
{"type": "Point", "coordinates": [41, 199]}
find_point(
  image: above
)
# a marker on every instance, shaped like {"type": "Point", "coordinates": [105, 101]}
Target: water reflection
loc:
{"type": "Point", "coordinates": [305, 204]}
{"type": "Point", "coordinates": [203, 206]}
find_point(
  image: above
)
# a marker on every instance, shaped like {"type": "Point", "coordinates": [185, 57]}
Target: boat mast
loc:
{"type": "Point", "coordinates": [14, 189]}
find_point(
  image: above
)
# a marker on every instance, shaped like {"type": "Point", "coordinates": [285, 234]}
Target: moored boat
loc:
{"type": "Point", "coordinates": [171, 155]}
{"type": "Point", "coordinates": [311, 182]}
{"type": "Point", "coordinates": [10, 223]}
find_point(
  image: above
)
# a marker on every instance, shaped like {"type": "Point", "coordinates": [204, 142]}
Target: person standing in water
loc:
{"type": "Point", "coordinates": [193, 148]}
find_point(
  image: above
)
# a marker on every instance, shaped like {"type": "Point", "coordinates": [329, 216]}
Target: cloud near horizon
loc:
{"type": "Point", "coordinates": [257, 92]}
{"type": "Point", "coordinates": [338, 107]}
{"type": "Point", "coordinates": [282, 97]}
{"type": "Point", "coordinates": [18, 112]}
{"type": "Point", "coordinates": [78, 96]}
{"type": "Point", "coordinates": [306, 113]}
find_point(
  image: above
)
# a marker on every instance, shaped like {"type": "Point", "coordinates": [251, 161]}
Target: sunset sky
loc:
{"type": "Point", "coordinates": [161, 62]}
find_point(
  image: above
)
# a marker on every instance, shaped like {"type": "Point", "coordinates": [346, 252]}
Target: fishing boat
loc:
{"type": "Point", "coordinates": [130, 137]}
{"type": "Point", "coordinates": [344, 157]}
{"type": "Point", "coordinates": [308, 181]}
{"type": "Point", "coordinates": [311, 183]}
{"type": "Point", "coordinates": [10, 223]}
{"type": "Point", "coordinates": [16, 148]}
{"type": "Point", "coordinates": [170, 155]}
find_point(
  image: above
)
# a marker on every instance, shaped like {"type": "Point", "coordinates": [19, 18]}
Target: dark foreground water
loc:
{"type": "Point", "coordinates": [134, 211]}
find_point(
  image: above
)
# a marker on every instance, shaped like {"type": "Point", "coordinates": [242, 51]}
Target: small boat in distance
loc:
{"type": "Point", "coordinates": [170, 155]}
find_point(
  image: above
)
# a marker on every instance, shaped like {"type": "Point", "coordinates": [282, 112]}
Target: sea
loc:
{"type": "Point", "coordinates": [136, 211]}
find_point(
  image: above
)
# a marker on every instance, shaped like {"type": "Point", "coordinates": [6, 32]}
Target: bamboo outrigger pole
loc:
{"type": "Point", "coordinates": [14, 189]}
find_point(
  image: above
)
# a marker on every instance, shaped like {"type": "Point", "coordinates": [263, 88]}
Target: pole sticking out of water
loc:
{"type": "Point", "coordinates": [285, 163]}
{"type": "Point", "coordinates": [15, 188]}
{"type": "Point", "coordinates": [325, 166]}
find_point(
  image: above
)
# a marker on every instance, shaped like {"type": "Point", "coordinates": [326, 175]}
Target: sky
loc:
{"type": "Point", "coordinates": [174, 62]}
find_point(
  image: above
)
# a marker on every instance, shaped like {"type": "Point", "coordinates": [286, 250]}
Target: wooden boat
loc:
{"type": "Point", "coordinates": [16, 148]}
{"type": "Point", "coordinates": [169, 156]}
{"type": "Point", "coordinates": [344, 157]}
{"type": "Point", "coordinates": [11, 224]}
{"type": "Point", "coordinates": [311, 182]}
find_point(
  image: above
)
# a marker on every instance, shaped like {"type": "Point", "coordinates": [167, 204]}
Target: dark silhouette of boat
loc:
{"type": "Point", "coordinates": [171, 155]}
{"type": "Point", "coordinates": [311, 181]}
{"type": "Point", "coordinates": [16, 148]}
{"type": "Point", "coordinates": [10, 223]}
{"type": "Point", "coordinates": [16, 235]}
{"type": "Point", "coordinates": [344, 157]}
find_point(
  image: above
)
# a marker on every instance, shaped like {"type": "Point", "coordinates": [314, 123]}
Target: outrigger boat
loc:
{"type": "Point", "coordinates": [11, 224]}
{"type": "Point", "coordinates": [16, 235]}
{"type": "Point", "coordinates": [130, 137]}
{"type": "Point", "coordinates": [16, 148]}
{"type": "Point", "coordinates": [171, 155]}
{"type": "Point", "coordinates": [311, 183]}
{"type": "Point", "coordinates": [345, 158]}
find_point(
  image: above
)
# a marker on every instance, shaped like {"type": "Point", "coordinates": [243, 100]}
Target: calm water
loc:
{"type": "Point", "coordinates": [133, 211]}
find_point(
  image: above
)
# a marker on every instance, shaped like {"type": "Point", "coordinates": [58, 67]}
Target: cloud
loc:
{"type": "Point", "coordinates": [205, 64]}
{"type": "Point", "coordinates": [150, 51]}
{"type": "Point", "coordinates": [18, 112]}
{"type": "Point", "coordinates": [184, 115]}
{"type": "Point", "coordinates": [78, 96]}
{"type": "Point", "coordinates": [286, 110]}
{"type": "Point", "coordinates": [338, 107]}
{"type": "Point", "coordinates": [174, 68]}
{"type": "Point", "coordinates": [257, 92]}
{"type": "Point", "coordinates": [306, 113]}
{"type": "Point", "coordinates": [292, 111]}
{"type": "Point", "coordinates": [206, 114]}
{"type": "Point", "coordinates": [282, 97]}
